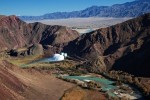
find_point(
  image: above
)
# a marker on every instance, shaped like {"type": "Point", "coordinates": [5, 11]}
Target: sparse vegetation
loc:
{"type": "Point", "coordinates": [130, 79]}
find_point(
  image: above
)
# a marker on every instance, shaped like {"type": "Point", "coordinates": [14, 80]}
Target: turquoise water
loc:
{"type": "Point", "coordinates": [105, 83]}
{"type": "Point", "coordinates": [43, 60]}
{"type": "Point", "coordinates": [47, 60]}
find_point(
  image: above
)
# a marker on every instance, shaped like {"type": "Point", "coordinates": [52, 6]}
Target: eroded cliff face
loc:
{"type": "Point", "coordinates": [123, 46]}
{"type": "Point", "coordinates": [15, 33]}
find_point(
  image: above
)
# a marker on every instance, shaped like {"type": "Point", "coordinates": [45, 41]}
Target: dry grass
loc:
{"type": "Point", "coordinates": [77, 93]}
{"type": "Point", "coordinates": [51, 65]}
{"type": "Point", "coordinates": [22, 60]}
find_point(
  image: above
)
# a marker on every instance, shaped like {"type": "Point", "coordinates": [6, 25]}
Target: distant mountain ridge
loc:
{"type": "Point", "coordinates": [129, 9]}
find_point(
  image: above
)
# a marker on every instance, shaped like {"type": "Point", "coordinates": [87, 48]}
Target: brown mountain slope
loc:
{"type": "Point", "coordinates": [121, 46]}
{"type": "Point", "coordinates": [29, 84]}
{"type": "Point", "coordinates": [10, 86]}
{"type": "Point", "coordinates": [15, 33]}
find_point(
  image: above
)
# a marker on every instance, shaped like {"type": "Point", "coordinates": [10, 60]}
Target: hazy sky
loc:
{"type": "Point", "coordinates": [40, 7]}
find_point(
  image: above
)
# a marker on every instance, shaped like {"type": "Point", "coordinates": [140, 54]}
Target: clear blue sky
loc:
{"type": "Point", "coordinates": [40, 7]}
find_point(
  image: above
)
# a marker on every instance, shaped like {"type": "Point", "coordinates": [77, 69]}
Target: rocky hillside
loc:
{"type": "Point", "coordinates": [14, 33]}
{"type": "Point", "coordinates": [123, 46]}
{"type": "Point", "coordinates": [129, 9]}
{"type": "Point", "coordinates": [29, 84]}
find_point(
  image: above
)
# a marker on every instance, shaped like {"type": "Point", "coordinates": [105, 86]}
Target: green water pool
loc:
{"type": "Point", "coordinates": [105, 83]}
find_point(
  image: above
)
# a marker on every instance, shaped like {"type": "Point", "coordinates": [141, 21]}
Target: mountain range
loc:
{"type": "Point", "coordinates": [129, 9]}
{"type": "Point", "coordinates": [119, 47]}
